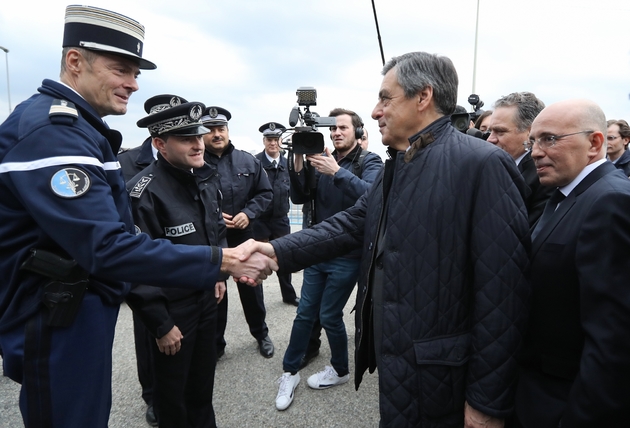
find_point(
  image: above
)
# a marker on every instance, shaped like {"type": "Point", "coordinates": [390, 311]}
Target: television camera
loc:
{"type": "Point", "coordinates": [306, 140]}
{"type": "Point", "coordinates": [461, 121]}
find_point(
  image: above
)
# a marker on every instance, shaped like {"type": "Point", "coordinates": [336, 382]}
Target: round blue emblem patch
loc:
{"type": "Point", "coordinates": [70, 183]}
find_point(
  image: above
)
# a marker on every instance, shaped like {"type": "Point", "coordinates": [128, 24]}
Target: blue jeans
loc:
{"type": "Point", "coordinates": [325, 291]}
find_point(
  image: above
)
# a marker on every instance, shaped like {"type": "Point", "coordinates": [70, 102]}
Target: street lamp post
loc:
{"type": "Point", "coordinates": [475, 60]}
{"type": "Point", "coordinates": [6, 55]}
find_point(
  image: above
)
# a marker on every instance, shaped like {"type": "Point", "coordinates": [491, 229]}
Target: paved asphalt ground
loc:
{"type": "Point", "coordinates": [245, 383]}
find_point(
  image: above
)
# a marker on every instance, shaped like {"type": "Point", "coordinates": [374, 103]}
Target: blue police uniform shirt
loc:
{"type": "Point", "coordinates": [61, 190]}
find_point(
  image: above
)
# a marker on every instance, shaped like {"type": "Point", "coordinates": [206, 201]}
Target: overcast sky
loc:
{"type": "Point", "coordinates": [250, 56]}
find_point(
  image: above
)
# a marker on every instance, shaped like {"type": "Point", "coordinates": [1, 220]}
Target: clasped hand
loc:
{"type": "Point", "coordinates": [251, 262]}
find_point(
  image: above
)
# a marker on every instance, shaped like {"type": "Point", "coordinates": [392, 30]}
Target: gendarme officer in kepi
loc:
{"type": "Point", "coordinates": [178, 198]}
{"type": "Point", "coordinates": [274, 222]}
{"type": "Point", "coordinates": [69, 247]}
{"type": "Point", "coordinates": [246, 195]}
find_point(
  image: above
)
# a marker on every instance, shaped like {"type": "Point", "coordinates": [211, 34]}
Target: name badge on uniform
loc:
{"type": "Point", "coordinates": [70, 183]}
{"type": "Point", "coordinates": [181, 230]}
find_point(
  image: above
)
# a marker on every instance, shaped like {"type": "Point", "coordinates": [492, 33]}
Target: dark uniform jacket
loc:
{"type": "Point", "coordinates": [280, 185]}
{"type": "Point", "coordinates": [61, 190]}
{"type": "Point", "coordinates": [183, 207]}
{"type": "Point", "coordinates": [134, 160]}
{"type": "Point", "coordinates": [454, 293]}
{"type": "Point", "coordinates": [244, 184]}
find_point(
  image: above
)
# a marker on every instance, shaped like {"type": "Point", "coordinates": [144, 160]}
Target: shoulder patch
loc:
{"type": "Point", "coordinates": [70, 183]}
{"type": "Point", "coordinates": [139, 187]}
{"type": "Point", "coordinates": [63, 108]}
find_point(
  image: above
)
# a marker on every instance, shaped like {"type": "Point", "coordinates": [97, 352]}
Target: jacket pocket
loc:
{"type": "Point", "coordinates": [442, 373]}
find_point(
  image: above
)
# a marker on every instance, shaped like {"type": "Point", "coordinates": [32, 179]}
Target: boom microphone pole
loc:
{"type": "Point", "coordinates": [378, 33]}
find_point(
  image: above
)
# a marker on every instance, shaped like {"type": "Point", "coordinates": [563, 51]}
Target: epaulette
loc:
{"type": "Point", "coordinates": [140, 185]}
{"type": "Point", "coordinates": [123, 149]}
{"type": "Point", "coordinates": [63, 111]}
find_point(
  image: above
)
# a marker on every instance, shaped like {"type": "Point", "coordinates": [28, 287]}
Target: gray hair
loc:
{"type": "Point", "coordinates": [89, 56]}
{"type": "Point", "coordinates": [527, 108]}
{"type": "Point", "coordinates": [417, 71]}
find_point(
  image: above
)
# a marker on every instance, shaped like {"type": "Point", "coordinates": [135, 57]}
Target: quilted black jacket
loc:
{"type": "Point", "coordinates": [455, 292]}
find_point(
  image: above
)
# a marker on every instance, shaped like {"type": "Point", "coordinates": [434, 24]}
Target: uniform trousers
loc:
{"type": "Point", "coordinates": [271, 228]}
{"type": "Point", "coordinates": [65, 372]}
{"type": "Point", "coordinates": [252, 298]}
{"type": "Point", "coordinates": [143, 342]}
{"type": "Point", "coordinates": [184, 382]}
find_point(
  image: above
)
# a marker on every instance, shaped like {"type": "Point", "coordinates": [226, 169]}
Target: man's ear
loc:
{"type": "Point", "coordinates": [74, 61]}
{"type": "Point", "coordinates": [597, 140]}
{"type": "Point", "coordinates": [425, 98]}
{"type": "Point", "coordinates": [159, 143]}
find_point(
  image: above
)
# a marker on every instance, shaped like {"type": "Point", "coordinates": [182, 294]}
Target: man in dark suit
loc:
{"type": "Point", "coordinates": [509, 125]}
{"type": "Point", "coordinates": [576, 356]}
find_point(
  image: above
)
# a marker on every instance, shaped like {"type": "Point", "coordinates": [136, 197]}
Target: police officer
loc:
{"type": "Point", "coordinates": [178, 198]}
{"type": "Point", "coordinates": [246, 195]}
{"type": "Point", "coordinates": [133, 161]}
{"type": "Point", "coordinates": [69, 246]}
{"type": "Point", "coordinates": [274, 222]}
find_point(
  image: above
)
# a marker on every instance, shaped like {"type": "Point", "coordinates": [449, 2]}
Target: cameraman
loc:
{"type": "Point", "coordinates": [341, 177]}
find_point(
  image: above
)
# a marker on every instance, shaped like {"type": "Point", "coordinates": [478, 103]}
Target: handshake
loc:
{"type": "Point", "coordinates": [251, 262]}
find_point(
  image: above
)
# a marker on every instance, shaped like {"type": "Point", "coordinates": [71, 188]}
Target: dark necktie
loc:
{"type": "Point", "coordinates": [274, 164]}
{"type": "Point", "coordinates": [550, 208]}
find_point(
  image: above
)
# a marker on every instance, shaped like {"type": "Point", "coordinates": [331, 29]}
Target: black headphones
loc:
{"type": "Point", "coordinates": [358, 132]}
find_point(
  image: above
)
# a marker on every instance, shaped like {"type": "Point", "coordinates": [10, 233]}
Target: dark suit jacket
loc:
{"type": "Point", "coordinates": [537, 199]}
{"type": "Point", "coordinates": [578, 339]}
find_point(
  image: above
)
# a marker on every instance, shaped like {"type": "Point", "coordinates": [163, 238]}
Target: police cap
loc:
{"type": "Point", "coordinates": [102, 30]}
{"type": "Point", "coordinates": [272, 129]}
{"type": "Point", "coordinates": [162, 102]}
{"type": "Point", "coordinates": [181, 119]}
{"type": "Point", "coordinates": [215, 116]}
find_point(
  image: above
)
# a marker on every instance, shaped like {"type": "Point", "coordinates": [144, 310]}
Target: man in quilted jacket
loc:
{"type": "Point", "coordinates": [441, 302]}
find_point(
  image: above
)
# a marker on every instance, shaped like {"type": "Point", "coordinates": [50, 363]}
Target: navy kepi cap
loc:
{"type": "Point", "coordinates": [101, 30]}
{"type": "Point", "coordinates": [272, 129]}
{"type": "Point", "coordinates": [181, 119]}
{"type": "Point", "coordinates": [215, 116]}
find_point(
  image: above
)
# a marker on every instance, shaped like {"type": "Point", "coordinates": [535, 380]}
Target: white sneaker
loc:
{"type": "Point", "coordinates": [287, 383]}
{"type": "Point", "coordinates": [326, 378]}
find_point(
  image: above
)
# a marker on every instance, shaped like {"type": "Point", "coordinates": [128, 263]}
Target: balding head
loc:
{"type": "Point", "coordinates": [560, 160]}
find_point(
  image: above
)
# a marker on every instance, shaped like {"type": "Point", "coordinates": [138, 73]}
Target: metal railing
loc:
{"type": "Point", "coordinates": [295, 214]}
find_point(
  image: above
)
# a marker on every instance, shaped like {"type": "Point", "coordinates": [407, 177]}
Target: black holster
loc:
{"type": "Point", "coordinates": [64, 293]}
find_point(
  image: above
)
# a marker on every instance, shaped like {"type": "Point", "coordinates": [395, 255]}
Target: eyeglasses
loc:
{"type": "Point", "coordinates": [548, 141]}
{"type": "Point", "coordinates": [612, 137]}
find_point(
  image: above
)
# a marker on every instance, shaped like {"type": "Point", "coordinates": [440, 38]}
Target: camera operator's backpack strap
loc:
{"type": "Point", "coordinates": [357, 162]}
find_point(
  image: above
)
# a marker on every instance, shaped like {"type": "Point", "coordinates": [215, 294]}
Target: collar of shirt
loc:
{"type": "Point", "coordinates": [70, 87]}
{"type": "Point", "coordinates": [270, 159]}
{"type": "Point", "coordinates": [154, 151]}
{"type": "Point", "coordinates": [581, 176]}
{"type": "Point", "coordinates": [520, 158]}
